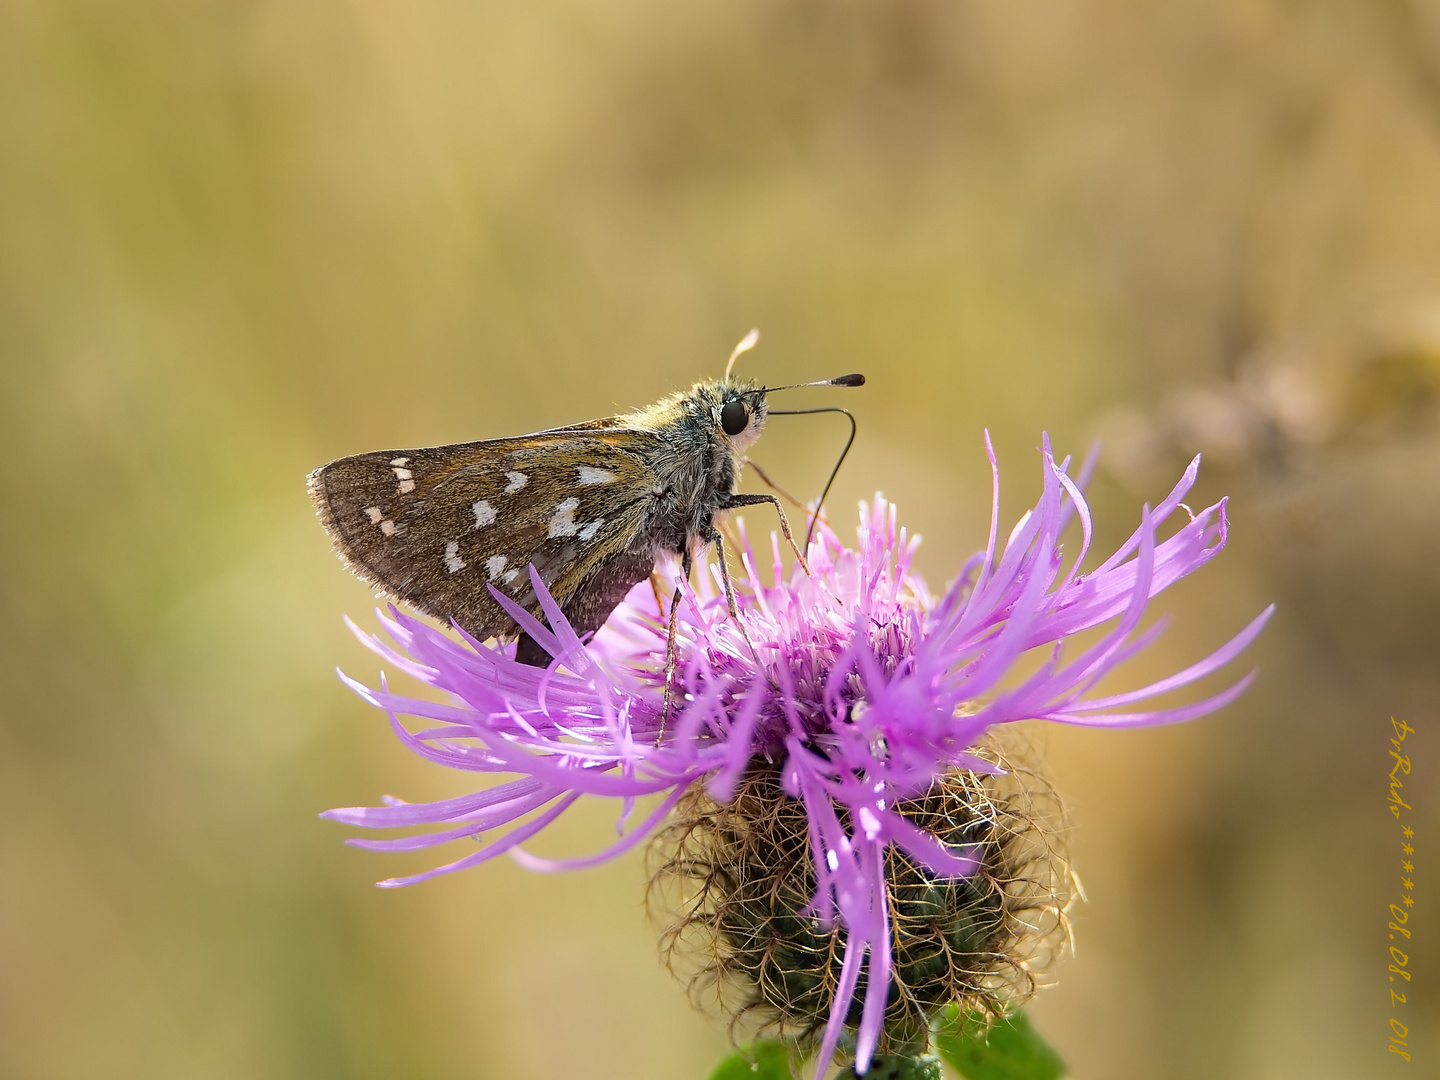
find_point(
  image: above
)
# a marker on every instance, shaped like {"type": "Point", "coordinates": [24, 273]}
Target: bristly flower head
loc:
{"type": "Point", "coordinates": [866, 699]}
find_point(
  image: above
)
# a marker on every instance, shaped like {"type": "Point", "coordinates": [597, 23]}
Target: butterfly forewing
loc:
{"type": "Point", "coordinates": [434, 527]}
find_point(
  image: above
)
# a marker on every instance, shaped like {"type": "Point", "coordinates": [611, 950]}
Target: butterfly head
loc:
{"type": "Point", "coordinates": [737, 409]}
{"type": "Point", "coordinates": [733, 409]}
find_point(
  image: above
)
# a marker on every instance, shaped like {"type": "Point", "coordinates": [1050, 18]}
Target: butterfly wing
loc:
{"type": "Point", "coordinates": [434, 527]}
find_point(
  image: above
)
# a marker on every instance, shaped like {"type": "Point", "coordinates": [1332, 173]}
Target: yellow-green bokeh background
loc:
{"type": "Point", "coordinates": [238, 239]}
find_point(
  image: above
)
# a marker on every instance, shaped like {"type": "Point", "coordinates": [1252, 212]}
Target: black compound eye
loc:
{"type": "Point", "coordinates": [734, 417]}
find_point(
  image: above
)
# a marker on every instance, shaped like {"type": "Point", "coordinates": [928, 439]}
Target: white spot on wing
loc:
{"type": "Point", "coordinates": [495, 565]}
{"type": "Point", "coordinates": [563, 523]}
{"type": "Point", "coordinates": [484, 513]}
{"type": "Point", "coordinates": [589, 531]}
{"type": "Point", "coordinates": [517, 481]}
{"type": "Point", "coordinates": [377, 517]}
{"type": "Point", "coordinates": [453, 562]}
{"type": "Point", "coordinates": [404, 475]}
{"type": "Point", "coordinates": [594, 476]}
{"type": "Point", "coordinates": [510, 575]}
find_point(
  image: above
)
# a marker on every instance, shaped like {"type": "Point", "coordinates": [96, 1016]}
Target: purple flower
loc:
{"type": "Point", "coordinates": [863, 690]}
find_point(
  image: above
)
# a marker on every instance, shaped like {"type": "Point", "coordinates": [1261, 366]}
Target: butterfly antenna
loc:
{"type": "Point", "coordinates": [747, 343]}
{"type": "Point", "coordinates": [815, 518]}
{"type": "Point", "coordinates": [840, 380]}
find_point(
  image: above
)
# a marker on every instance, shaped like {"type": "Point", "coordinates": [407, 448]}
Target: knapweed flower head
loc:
{"type": "Point", "coordinates": [839, 796]}
{"type": "Point", "coordinates": [737, 878]}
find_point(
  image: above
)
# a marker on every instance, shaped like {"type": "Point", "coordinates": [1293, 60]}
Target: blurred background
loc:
{"type": "Point", "coordinates": [239, 239]}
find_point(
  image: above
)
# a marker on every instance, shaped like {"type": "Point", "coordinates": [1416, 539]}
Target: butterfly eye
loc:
{"type": "Point", "coordinates": [734, 418]}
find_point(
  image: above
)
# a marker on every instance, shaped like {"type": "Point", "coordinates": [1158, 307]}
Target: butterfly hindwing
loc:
{"type": "Point", "coordinates": [433, 527]}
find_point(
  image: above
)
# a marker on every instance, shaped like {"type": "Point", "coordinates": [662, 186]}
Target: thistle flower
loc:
{"type": "Point", "coordinates": [849, 768]}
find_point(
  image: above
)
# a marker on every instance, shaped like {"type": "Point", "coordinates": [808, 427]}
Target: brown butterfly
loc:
{"type": "Point", "coordinates": [590, 506]}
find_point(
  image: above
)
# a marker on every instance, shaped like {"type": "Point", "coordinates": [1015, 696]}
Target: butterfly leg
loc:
{"type": "Point", "coordinates": [734, 502]}
{"type": "Point", "coordinates": [671, 647]}
{"type": "Point", "coordinates": [714, 538]}
{"type": "Point", "coordinates": [765, 478]}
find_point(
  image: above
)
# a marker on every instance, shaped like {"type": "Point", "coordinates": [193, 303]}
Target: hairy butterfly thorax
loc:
{"type": "Point", "coordinates": [588, 509]}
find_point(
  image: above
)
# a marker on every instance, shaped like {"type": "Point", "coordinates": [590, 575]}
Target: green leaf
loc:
{"type": "Point", "coordinates": [1009, 1049]}
{"type": "Point", "coordinates": [900, 1068]}
{"type": "Point", "coordinates": [764, 1060]}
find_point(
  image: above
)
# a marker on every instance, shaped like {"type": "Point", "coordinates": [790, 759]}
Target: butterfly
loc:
{"type": "Point", "coordinates": [591, 507]}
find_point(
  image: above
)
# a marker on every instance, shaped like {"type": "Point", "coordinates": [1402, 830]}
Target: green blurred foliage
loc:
{"type": "Point", "coordinates": [765, 1059]}
{"type": "Point", "coordinates": [1007, 1049]}
{"type": "Point", "coordinates": [240, 238]}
